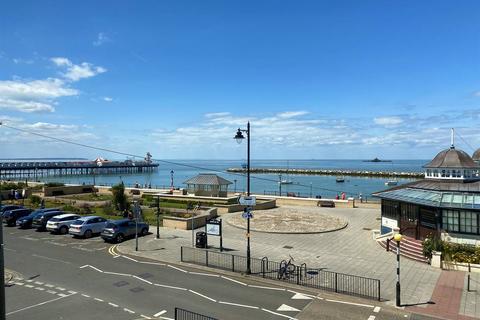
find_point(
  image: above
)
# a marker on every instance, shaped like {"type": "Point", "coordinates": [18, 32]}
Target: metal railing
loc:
{"type": "Point", "coordinates": [286, 272]}
{"type": "Point", "coordinates": [182, 314]}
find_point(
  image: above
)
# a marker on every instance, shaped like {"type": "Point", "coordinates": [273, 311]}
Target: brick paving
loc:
{"type": "Point", "coordinates": [351, 250]}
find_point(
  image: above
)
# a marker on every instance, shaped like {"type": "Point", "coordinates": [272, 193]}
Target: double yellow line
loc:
{"type": "Point", "coordinates": [113, 250]}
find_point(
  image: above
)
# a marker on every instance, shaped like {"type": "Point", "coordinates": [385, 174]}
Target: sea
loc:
{"type": "Point", "coordinates": [302, 185]}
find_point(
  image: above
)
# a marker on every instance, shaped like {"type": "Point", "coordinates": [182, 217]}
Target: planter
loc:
{"type": "Point", "coordinates": [186, 223]}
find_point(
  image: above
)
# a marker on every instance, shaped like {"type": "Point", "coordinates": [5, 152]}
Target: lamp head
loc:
{"type": "Point", "coordinates": [397, 237]}
{"type": "Point", "coordinates": [239, 136]}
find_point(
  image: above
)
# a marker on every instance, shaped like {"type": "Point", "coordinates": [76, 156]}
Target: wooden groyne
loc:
{"type": "Point", "coordinates": [333, 172]}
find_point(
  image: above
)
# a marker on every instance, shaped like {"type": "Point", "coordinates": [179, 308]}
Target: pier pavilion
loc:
{"type": "Point", "coordinates": [446, 202]}
{"type": "Point", "coordinates": [207, 184]}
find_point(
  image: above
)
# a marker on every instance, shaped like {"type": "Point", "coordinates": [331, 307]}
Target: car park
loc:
{"type": "Point", "coordinates": [40, 220]}
{"type": "Point", "coordinates": [87, 226]}
{"type": "Point", "coordinates": [61, 223]}
{"type": "Point", "coordinates": [10, 217]}
{"type": "Point", "coordinates": [119, 230]}
{"type": "Point", "coordinates": [26, 222]}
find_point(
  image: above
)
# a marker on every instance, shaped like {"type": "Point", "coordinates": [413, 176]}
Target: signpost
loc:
{"type": "Point", "coordinates": [247, 201]}
{"type": "Point", "coordinates": [214, 228]}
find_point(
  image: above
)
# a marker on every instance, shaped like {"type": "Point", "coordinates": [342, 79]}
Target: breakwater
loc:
{"type": "Point", "coordinates": [332, 172]}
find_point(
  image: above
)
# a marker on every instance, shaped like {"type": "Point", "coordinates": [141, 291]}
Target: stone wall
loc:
{"type": "Point", "coordinates": [66, 190]}
{"type": "Point", "coordinates": [292, 201]}
{"type": "Point", "coordinates": [186, 223]}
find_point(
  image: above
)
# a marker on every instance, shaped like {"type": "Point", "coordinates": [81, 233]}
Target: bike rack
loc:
{"type": "Point", "coordinates": [303, 267]}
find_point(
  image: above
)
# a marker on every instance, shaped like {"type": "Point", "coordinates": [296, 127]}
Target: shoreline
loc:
{"type": "Point", "coordinates": [331, 172]}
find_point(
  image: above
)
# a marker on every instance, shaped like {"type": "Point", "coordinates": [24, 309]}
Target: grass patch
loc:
{"type": "Point", "coordinates": [90, 197]}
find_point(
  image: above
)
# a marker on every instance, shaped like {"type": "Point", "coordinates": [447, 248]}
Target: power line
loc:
{"type": "Point", "coordinates": [160, 160]}
{"type": "Point", "coordinates": [464, 141]}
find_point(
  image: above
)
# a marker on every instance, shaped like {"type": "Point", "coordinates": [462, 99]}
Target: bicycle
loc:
{"type": "Point", "coordinates": [286, 269]}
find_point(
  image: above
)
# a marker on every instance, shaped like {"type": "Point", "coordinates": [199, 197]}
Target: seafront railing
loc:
{"type": "Point", "coordinates": [317, 278]}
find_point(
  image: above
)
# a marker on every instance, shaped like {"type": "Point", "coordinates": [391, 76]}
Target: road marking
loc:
{"type": "Point", "coordinates": [113, 305]}
{"type": "Point", "coordinates": [8, 249]}
{"type": "Point", "coordinates": [51, 259]}
{"type": "Point", "coordinates": [278, 314]}
{"type": "Point", "coordinates": [141, 279]}
{"type": "Point", "coordinates": [233, 280]}
{"type": "Point", "coordinates": [51, 291]}
{"type": "Point", "coordinates": [285, 307]}
{"type": "Point", "coordinates": [37, 305]}
{"type": "Point", "coordinates": [350, 303]}
{"type": "Point", "coordinates": [238, 305]}
{"type": "Point", "coordinates": [49, 285]}
{"type": "Point", "coordinates": [63, 295]}
{"type": "Point", "coordinates": [158, 314]}
{"type": "Point", "coordinates": [171, 287]}
{"type": "Point", "coordinates": [371, 318]}
{"type": "Point", "coordinates": [85, 295]}
{"type": "Point", "coordinates": [205, 274]}
{"type": "Point", "coordinates": [60, 288]}
{"type": "Point", "coordinates": [39, 288]}
{"type": "Point", "coordinates": [39, 283]}
{"type": "Point", "coordinates": [72, 292]}
{"type": "Point", "coordinates": [29, 280]}
{"type": "Point", "coordinates": [28, 286]}
{"type": "Point", "coordinates": [98, 299]}
{"type": "Point", "coordinates": [268, 288]}
{"type": "Point", "coordinates": [89, 266]}
{"type": "Point", "coordinates": [117, 273]}
{"type": "Point", "coordinates": [176, 268]}
{"type": "Point", "coordinates": [145, 317]}
{"type": "Point", "coordinates": [128, 310]}
{"type": "Point", "coordinates": [376, 310]}
{"type": "Point", "coordinates": [203, 296]}
{"type": "Point", "coordinates": [19, 283]}
{"type": "Point", "coordinates": [300, 296]}
{"type": "Point", "coordinates": [128, 258]}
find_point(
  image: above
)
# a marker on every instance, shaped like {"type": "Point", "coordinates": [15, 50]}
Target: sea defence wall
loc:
{"type": "Point", "coordinates": [330, 172]}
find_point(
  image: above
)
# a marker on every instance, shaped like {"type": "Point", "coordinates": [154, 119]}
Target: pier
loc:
{"type": "Point", "coordinates": [333, 172]}
{"type": "Point", "coordinates": [35, 170]}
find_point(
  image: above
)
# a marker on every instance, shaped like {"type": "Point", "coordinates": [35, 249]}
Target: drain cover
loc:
{"type": "Point", "coordinates": [137, 290]}
{"type": "Point", "coordinates": [287, 247]}
{"type": "Point", "coordinates": [120, 283]}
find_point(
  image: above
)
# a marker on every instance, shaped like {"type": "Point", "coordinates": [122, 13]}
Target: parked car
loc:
{"type": "Point", "coordinates": [87, 226]}
{"type": "Point", "coordinates": [119, 230]}
{"type": "Point", "coordinates": [10, 217]}
{"type": "Point", "coordinates": [8, 207]}
{"type": "Point", "coordinates": [61, 224]}
{"type": "Point", "coordinates": [26, 222]}
{"type": "Point", "coordinates": [40, 220]}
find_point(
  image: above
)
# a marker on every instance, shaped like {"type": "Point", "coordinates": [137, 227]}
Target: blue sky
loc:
{"type": "Point", "coordinates": [317, 79]}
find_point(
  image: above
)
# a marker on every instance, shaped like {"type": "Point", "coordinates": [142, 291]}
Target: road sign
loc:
{"type": "Point", "coordinates": [247, 215]}
{"type": "Point", "coordinates": [247, 201]}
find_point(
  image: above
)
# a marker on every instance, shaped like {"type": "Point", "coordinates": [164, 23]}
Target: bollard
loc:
{"type": "Point", "coordinates": [233, 263]}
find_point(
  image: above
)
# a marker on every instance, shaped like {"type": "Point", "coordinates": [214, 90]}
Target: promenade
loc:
{"type": "Point", "coordinates": [350, 250]}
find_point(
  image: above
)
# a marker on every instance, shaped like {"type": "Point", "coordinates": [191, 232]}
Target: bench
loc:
{"type": "Point", "coordinates": [327, 204]}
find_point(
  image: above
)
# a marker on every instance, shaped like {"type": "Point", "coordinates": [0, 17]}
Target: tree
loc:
{"type": "Point", "coordinates": [119, 198]}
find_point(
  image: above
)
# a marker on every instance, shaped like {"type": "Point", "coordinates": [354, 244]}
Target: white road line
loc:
{"type": "Point", "coordinates": [165, 318]}
{"type": "Point", "coordinates": [204, 274]}
{"type": "Point", "coordinates": [60, 288]}
{"type": "Point", "coordinates": [113, 305]}
{"type": "Point", "coordinates": [238, 305]}
{"type": "Point", "coordinates": [98, 299]}
{"type": "Point", "coordinates": [29, 280]}
{"type": "Point", "coordinates": [376, 309]}
{"type": "Point", "coordinates": [170, 287]}
{"type": "Point", "coordinates": [39, 289]}
{"type": "Point", "coordinates": [141, 279]}
{"type": "Point", "coordinates": [63, 295]}
{"type": "Point", "coordinates": [158, 314]}
{"type": "Point", "coordinates": [51, 291]}
{"type": "Point", "coordinates": [38, 283]}
{"type": "Point", "coordinates": [233, 280]}
{"type": "Point", "coordinates": [278, 314]}
{"type": "Point", "coordinates": [51, 259]}
{"type": "Point", "coordinates": [268, 288]}
{"type": "Point", "coordinates": [350, 303]}
{"type": "Point", "coordinates": [85, 295]}
{"type": "Point", "coordinates": [19, 283]}
{"type": "Point", "coordinates": [203, 296]}
{"type": "Point", "coordinates": [36, 305]}
{"type": "Point", "coordinates": [129, 258]}
{"type": "Point", "coordinates": [72, 292]}
{"type": "Point", "coordinates": [118, 274]}
{"type": "Point", "coordinates": [305, 294]}
{"type": "Point", "coordinates": [28, 286]}
{"type": "Point", "coordinates": [89, 266]}
{"type": "Point", "coordinates": [176, 268]}
{"type": "Point", "coordinates": [371, 318]}
{"type": "Point", "coordinates": [128, 310]}
{"type": "Point", "coordinates": [49, 285]}
{"type": "Point", "coordinates": [154, 263]}
{"type": "Point", "coordinates": [144, 316]}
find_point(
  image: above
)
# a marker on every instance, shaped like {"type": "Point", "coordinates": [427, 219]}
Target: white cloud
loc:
{"type": "Point", "coordinates": [24, 61]}
{"type": "Point", "coordinates": [388, 121]}
{"type": "Point", "coordinates": [101, 39]}
{"type": "Point", "coordinates": [292, 114]}
{"type": "Point", "coordinates": [75, 72]}
{"type": "Point", "coordinates": [34, 95]}
{"type": "Point", "coordinates": [108, 99]}
{"type": "Point", "coordinates": [476, 94]}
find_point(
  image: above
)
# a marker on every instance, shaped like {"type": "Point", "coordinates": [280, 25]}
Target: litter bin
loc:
{"type": "Point", "coordinates": [201, 240]}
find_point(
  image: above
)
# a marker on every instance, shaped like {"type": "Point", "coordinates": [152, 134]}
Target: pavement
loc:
{"type": "Point", "coordinates": [60, 277]}
{"type": "Point", "coordinates": [351, 250]}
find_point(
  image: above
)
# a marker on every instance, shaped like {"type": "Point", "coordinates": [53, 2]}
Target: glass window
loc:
{"type": "Point", "coordinates": [457, 198]}
{"type": "Point", "coordinates": [468, 222]}
{"type": "Point", "coordinates": [450, 220]}
{"type": "Point", "coordinates": [443, 173]}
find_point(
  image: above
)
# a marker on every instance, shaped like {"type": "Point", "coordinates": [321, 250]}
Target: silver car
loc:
{"type": "Point", "coordinates": [61, 224]}
{"type": "Point", "coordinates": [87, 226]}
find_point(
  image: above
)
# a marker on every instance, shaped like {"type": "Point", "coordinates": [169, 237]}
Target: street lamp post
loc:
{"type": "Point", "coordinates": [235, 187]}
{"type": "Point", "coordinates": [171, 180]}
{"type": "Point", "coordinates": [239, 137]}
{"type": "Point", "coordinates": [398, 239]}
{"type": "Point", "coordinates": [137, 213]}
{"type": "Point", "coordinates": [158, 217]}
{"type": "Point", "coordinates": [2, 269]}
{"type": "Point", "coordinates": [280, 185]}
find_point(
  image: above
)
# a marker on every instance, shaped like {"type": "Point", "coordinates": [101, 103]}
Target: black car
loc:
{"type": "Point", "coordinates": [40, 220]}
{"type": "Point", "coordinates": [26, 222]}
{"type": "Point", "coordinates": [10, 217]}
{"type": "Point", "coordinates": [7, 207]}
{"type": "Point", "coordinates": [119, 230]}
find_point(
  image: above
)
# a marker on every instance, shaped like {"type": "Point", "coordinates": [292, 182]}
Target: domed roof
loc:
{"type": "Point", "coordinates": [476, 155]}
{"type": "Point", "coordinates": [452, 158]}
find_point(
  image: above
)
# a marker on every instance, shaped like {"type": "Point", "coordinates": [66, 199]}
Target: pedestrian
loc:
{"type": "Point", "coordinates": [42, 204]}
{"type": "Point", "coordinates": [343, 195]}
{"type": "Point", "coordinates": [337, 197]}
{"type": "Point", "coordinates": [360, 197]}
{"type": "Point", "coordinates": [125, 213]}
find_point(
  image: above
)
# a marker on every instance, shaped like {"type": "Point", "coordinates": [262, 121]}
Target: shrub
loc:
{"type": "Point", "coordinates": [54, 184]}
{"type": "Point", "coordinates": [430, 244]}
{"type": "Point", "coordinates": [108, 210]}
{"type": "Point", "coordinates": [34, 200]}
{"type": "Point", "coordinates": [85, 209]}
{"type": "Point", "coordinates": [119, 198]}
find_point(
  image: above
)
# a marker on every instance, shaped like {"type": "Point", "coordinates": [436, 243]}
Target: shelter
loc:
{"type": "Point", "coordinates": [207, 184]}
{"type": "Point", "coordinates": [446, 202]}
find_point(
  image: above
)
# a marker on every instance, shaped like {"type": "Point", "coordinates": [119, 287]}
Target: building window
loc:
{"type": "Point", "coordinates": [468, 222]}
{"type": "Point", "coordinates": [389, 209]}
{"type": "Point", "coordinates": [460, 221]}
{"type": "Point", "coordinates": [443, 173]}
{"type": "Point", "coordinates": [450, 220]}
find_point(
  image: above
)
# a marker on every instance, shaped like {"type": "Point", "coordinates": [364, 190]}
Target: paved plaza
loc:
{"type": "Point", "coordinates": [349, 250]}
